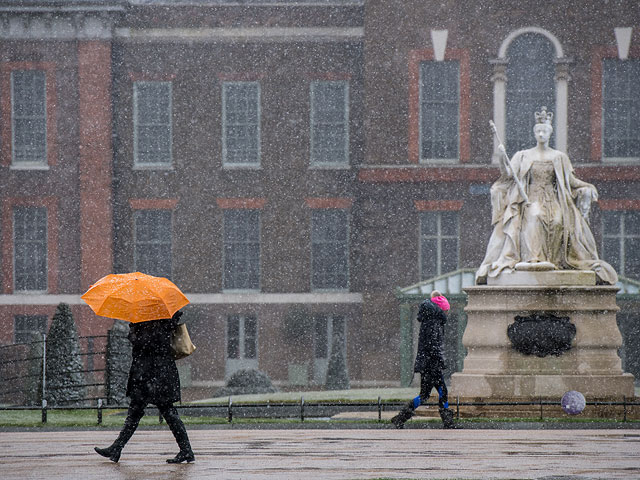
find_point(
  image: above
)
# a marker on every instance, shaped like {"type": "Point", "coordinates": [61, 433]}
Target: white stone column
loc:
{"type": "Point", "coordinates": [499, 79]}
{"type": "Point", "coordinates": [562, 78]}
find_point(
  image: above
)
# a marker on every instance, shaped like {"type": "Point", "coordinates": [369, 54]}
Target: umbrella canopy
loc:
{"type": "Point", "coordinates": [134, 297]}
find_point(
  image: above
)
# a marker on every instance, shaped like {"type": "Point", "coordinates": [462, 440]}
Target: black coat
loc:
{"type": "Point", "coordinates": [430, 358]}
{"type": "Point", "coordinates": [153, 377]}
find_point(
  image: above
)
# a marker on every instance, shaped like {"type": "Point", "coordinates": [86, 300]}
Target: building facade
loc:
{"type": "Point", "coordinates": [290, 164]}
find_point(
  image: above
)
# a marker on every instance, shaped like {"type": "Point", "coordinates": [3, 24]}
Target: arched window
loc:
{"type": "Point", "coordinates": [530, 71]}
{"type": "Point", "coordinates": [530, 84]}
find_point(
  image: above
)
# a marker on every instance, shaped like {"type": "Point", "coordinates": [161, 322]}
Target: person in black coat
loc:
{"type": "Point", "coordinates": [432, 316]}
{"type": "Point", "coordinates": [153, 378]}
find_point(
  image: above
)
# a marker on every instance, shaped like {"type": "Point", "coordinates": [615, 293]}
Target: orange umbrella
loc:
{"type": "Point", "coordinates": [134, 297]}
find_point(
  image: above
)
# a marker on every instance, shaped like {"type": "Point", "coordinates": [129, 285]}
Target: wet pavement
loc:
{"type": "Point", "coordinates": [328, 454]}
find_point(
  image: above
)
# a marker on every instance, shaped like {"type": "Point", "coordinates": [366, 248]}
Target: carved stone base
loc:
{"type": "Point", "coordinates": [545, 386]}
{"type": "Point", "coordinates": [546, 278]}
{"type": "Point", "coordinates": [494, 369]}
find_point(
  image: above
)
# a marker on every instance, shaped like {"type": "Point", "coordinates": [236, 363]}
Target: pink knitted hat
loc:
{"type": "Point", "coordinates": [442, 302]}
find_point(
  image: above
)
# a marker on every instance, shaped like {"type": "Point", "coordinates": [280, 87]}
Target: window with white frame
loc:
{"type": "Point", "coordinates": [26, 327]}
{"type": "Point", "coordinates": [329, 123]}
{"type": "Point", "coordinates": [439, 110]}
{"type": "Point", "coordinates": [152, 242]}
{"type": "Point", "coordinates": [30, 248]}
{"type": "Point", "coordinates": [621, 108]}
{"type": "Point", "coordinates": [241, 123]}
{"type": "Point", "coordinates": [439, 233]}
{"type": "Point", "coordinates": [329, 333]}
{"type": "Point", "coordinates": [28, 117]}
{"type": "Point", "coordinates": [242, 337]}
{"type": "Point", "coordinates": [152, 124]}
{"type": "Point", "coordinates": [621, 241]}
{"type": "Point", "coordinates": [330, 249]}
{"type": "Point", "coordinates": [530, 85]}
{"type": "Point", "coordinates": [241, 249]}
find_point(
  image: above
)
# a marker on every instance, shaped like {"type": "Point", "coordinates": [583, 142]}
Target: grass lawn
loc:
{"type": "Point", "coordinates": [368, 395]}
{"type": "Point", "coordinates": [115, 418]}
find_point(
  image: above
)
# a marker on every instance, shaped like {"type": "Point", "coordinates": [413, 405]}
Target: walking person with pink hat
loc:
{"type": "Point", "coordinates": [429, 363]}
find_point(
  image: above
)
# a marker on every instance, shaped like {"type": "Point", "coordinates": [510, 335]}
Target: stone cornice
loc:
{"type": "Point", "coordinates": [63, 25]}
{"type": "Point", "coordinates": [482, 173]}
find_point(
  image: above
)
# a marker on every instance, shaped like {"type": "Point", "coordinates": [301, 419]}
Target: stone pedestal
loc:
{"type": "Point", "coordinates": [494, 369]}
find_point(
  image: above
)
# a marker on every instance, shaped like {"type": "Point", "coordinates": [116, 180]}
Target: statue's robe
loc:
{"type": "Point", "coordinates": [579, 250]}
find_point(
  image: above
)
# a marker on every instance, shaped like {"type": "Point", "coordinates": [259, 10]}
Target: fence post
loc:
{"type": "Point", "coordinates": [99, 411]}
{"type": "Point", "coordinates": [624, 408]}
{"type": "Point", "coordinates": [44, 411]}
{"type": "Point", "coordinates": [457, 407]}
{"type": "Point", "coordinates": [229, 412]}
{"type": "Point", "coordinates": [540, 408]}
{"type": "Point", "coordinates": [44, 370]}
{"type": "Point", "coordinates": [302, 409]}
{"type": "Point", "coordinates": [379, 410]}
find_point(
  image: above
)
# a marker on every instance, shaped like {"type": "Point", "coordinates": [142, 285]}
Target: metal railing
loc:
{"type": "Point", "coordinates": [301, 409]}
{"type": "Point", "coordinates": [17, 380]}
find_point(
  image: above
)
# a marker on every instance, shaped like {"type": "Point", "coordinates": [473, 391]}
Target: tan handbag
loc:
{"type": "Point", "coordinates": [181, 342]}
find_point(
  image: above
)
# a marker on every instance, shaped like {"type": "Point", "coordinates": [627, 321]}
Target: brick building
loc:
{"type": "Point", "coordinates": [290, 164]}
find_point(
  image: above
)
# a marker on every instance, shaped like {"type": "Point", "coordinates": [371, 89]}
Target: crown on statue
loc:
{"type": "Point", "coordinates": [543, 116]}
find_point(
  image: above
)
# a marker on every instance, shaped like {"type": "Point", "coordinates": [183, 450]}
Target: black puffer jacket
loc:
{"type": "Point", "coordinates": [430, 358]}
{"type": "Point", "coordinates": [153, 377]}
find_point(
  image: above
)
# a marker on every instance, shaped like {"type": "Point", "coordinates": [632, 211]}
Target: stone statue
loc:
{"type": "Point", "coordinates": [540, 214]}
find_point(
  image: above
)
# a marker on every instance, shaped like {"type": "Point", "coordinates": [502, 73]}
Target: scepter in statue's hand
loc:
{"type": "Point", "coordinates": [507, 163]}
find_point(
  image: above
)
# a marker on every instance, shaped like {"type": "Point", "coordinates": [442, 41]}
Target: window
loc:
{"type": "Point", "coordinates": [152, 135]}
{"type": "Point", "coordinates": [438, 243]}
{"type": "Point", "coordinates": [439, 110]}
{"type": "Point", "coordinates": [242, 343]}
{"type": "Point", "coordinates": [329, 249]}
{"type": "Point", "coordinates": [152, 242]}
{"type": "Point", "coordinates": [241, 123]}
{"type": "Point", "coordinates": [241, 250]}
{"type": "Point", "coordinates": [242, 337]}
{"type": "Point", "coordinates": [621, 242]}
{"type": "Point", "coordinates": [26, 327]}
{"type": "Point", "coordinates": [30, 248]}
{"type": "Point", "coordinates": [29, 117]}
{"type": "Point", "coordinates": [530, 85]}
{"type": "Point", "coordinates": [621, 105]}
{"type": "Point", "coordinates": [329, 123]}
{"type": "Point", "coordinates": [321, 337]}
{"type": "Point", "coordinates": [329, 333]}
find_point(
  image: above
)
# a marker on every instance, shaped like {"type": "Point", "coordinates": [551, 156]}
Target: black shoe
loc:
{"type": "Point", "coordinates": [188, 457]}
{"type": "Point", "coordinates": [398, 421]}
{"type": "Point", "coordinates": [447, 418]}
{"type": "Point", "coordinates": [112, 453]}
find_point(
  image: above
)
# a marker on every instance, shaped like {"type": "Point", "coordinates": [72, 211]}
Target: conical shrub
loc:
{"type": "Point", "coordinates": [118, 364]}
{"type": "Point", "coordinates": [33, 382]}
{"type": "Point", "coordinates": [65, 380]}
{"type": "Point", "coordinates": [337, 374]}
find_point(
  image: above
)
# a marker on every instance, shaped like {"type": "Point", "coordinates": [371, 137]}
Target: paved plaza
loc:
{"type": "Point", "coordinates": [327, 454]}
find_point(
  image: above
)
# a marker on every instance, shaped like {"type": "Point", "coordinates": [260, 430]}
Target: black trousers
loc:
{"type": "Point", "coordinates": [168, 412]}
{"type": "Point", "coordinates": [429, 381]}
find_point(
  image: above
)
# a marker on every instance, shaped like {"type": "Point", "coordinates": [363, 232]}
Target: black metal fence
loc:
{"type": "Point", "coordinates": [24, 386]}
{"type": "Point", "coordinates": [303, 410]}
{"type": "Point", "coordinates": [23, 372]}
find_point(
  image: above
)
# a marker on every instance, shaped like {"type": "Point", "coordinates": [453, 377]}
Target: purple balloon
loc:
{"type": "Point", "coordinates": [573, 402]}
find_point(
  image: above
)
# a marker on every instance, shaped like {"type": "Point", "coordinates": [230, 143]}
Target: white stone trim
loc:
{"type": "Point", "coordinates": [623, 41]}
{"type": "Point", "coordinates": [562, 78]}
{"type": "Point", "coordinates": [259, 34]}
{"type": "Point", "coordinates": [439, 41]}
{"type": "Point", "coordinates": [201, 298]}
{"type": "Point", "coordinates": [274, 298]}
{"type": "Point", "coordinates": [516, 33]}
{"type": "Point", "coordinates": [72, 26]}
